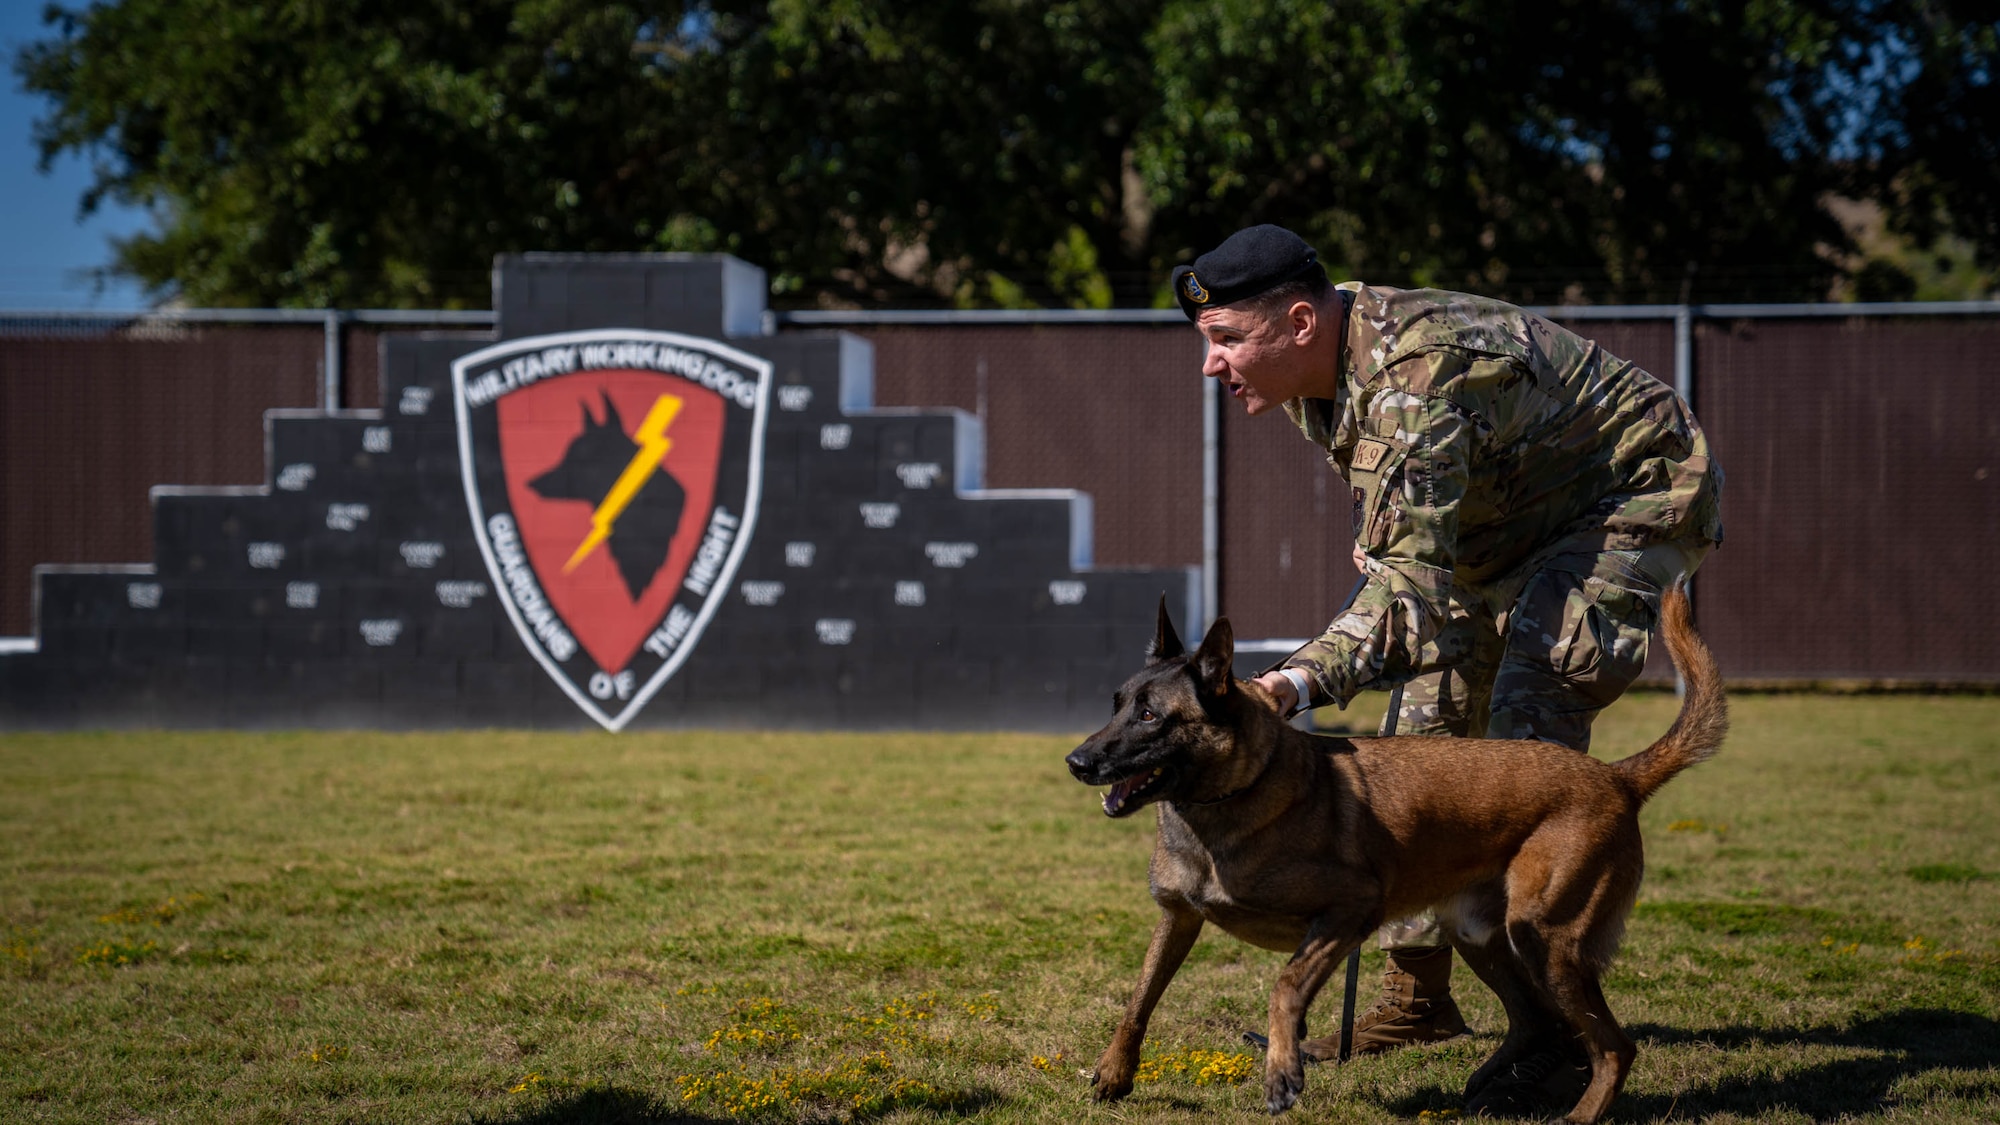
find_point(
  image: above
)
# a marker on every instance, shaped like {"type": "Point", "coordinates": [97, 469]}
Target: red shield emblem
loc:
{"type": "Point", "coordinates": [613, 479]}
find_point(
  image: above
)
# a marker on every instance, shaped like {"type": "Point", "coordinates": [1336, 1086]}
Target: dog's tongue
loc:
{"type": "Point", "coordinates": [1123, 791]}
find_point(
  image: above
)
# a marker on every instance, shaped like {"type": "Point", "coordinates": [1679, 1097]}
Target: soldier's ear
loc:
{"type": "Point", "coordinates": [1214, 661]}
{"type": "Point", "coordinates": [1303, 321]}
{"type": "Point", "coordinates": [1166, 643]}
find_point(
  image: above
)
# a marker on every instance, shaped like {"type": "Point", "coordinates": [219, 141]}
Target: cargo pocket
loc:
{"type": "Point", "coordinates": [1603, 639]}
{"type": "Point", "coordinates": [1578, 646]}
{"type": "Point", "coordinates": [1575, 642]}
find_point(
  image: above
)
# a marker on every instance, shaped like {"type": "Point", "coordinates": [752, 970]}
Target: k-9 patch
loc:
{"type": "Point", "coordinates": [1369, 453]}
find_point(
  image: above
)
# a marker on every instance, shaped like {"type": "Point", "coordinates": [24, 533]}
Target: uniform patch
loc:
{"type": "Point", "coordinates": [614, 479]}
{"type": "Point", "coordinates": [1368, 455]}
{"type": "Point", "coordinates": [1195, 292]}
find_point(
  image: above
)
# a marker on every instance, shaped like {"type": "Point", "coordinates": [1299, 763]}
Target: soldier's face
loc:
{"type": "Point", "coordinates": [1263, 361]}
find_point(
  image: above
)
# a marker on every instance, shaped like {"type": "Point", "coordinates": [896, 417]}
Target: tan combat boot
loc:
{"type": "Point", "coordinates": [1415, 1008]}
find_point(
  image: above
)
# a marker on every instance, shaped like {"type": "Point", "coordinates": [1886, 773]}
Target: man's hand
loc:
{"type": "Point", "coordinates": [1281, 688]}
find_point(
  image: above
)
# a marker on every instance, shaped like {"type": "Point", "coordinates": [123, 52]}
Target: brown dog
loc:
{"type": "Point", "coordinates": [1304, 844]}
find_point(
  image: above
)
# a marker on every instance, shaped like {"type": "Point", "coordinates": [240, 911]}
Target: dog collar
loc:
{"type": "Point", "coordinates": [1235, 793]}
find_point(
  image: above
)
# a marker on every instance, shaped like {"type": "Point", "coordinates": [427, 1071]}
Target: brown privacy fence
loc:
{"type": "Point", "coordinates": [1863, 498]}
{"type": "Point", "coordinates": [1862, 503]}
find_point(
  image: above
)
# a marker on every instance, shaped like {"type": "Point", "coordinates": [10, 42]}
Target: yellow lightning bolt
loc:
{"type": "Point", "coordinates": [653, 445]}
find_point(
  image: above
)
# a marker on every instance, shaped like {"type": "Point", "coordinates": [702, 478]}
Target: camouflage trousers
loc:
{"type": "Point", "coordinates": [1573, 639]}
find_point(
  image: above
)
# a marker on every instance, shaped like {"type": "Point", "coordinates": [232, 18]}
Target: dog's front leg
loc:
{"type": "Point", "coordinates": [1326, 944]}
{"type": "Point", "coordinates": [1172, 938]}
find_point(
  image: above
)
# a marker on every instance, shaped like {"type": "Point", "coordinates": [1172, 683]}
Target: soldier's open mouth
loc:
{"type": "Point", "coordinates": [1123, 796]}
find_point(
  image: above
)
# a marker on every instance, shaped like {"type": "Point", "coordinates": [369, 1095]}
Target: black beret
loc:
{"type": "Point", "coordinates": [1249, 262]}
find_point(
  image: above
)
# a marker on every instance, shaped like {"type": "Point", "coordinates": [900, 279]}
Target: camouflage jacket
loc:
{"type": "Point", "coordinates": [1475, 437]}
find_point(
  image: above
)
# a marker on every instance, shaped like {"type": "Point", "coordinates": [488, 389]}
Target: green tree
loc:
{"type": "Point", "coordinates": [1927, 74]}
{"type": "Point", "coordinates": [1604, 150]}
{"type": "Point", "coordinates": [364, 152]}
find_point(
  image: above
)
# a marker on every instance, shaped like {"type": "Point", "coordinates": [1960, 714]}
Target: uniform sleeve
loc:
{"type": "Point", "coordinates": [1406, 519]}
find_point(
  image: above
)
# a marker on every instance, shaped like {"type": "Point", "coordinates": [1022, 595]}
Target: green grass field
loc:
{"type": "Point", "coordinates": [534, 928]}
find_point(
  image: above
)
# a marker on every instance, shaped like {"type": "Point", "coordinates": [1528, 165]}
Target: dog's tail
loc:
{"type": "Point", "coordinates": [1704, 719]}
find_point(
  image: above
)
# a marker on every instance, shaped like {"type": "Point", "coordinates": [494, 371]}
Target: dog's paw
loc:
{"type": "Point", "coordinates": [1103, 1090]}
{"type": "Point", "coordinates": [1282, 1087]}
{"type": "Point", "coordinates": [1111, 1079]}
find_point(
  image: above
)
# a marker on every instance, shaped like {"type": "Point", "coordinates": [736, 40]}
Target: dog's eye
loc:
{"type": "Point", "coordinates": [1146, 715]}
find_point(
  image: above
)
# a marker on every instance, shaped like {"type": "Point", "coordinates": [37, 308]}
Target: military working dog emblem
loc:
{"type": "Point", "coordinates": [613, 480]}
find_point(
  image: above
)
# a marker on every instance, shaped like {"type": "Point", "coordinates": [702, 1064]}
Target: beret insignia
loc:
{"type": "Point", "coordinates": [1251, 261]}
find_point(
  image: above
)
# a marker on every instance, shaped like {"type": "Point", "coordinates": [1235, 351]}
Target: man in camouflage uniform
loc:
{"type": "Point", "coordinates": [1521, 502]}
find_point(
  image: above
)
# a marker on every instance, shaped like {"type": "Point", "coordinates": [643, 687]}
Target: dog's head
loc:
{"type": "Point", "coordinates": [1176, 726]}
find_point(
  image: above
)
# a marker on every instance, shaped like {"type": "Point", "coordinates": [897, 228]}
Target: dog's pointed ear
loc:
{"type": "Point", "coordinates": [1214, 661]}
{"type": "Point", "coordinates": [1166, 643]}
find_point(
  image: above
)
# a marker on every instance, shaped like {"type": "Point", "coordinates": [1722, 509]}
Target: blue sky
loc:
{"type": "Point", "coordinates": [45, 251]}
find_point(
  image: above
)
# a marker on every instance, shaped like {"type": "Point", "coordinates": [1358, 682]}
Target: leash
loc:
{"type": "Point", "coordinates": [1354, 957]}
{"type": "Point", "coordinates": [1388, 730]}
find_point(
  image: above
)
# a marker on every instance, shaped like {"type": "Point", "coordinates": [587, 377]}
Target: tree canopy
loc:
{"type": "Point", "coordinates": [380, 152]}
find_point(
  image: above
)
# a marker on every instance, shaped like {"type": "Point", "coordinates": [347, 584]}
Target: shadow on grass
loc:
{"type": "Point", "coordinates": [613, 1106]}
{"type": "Point", "coordinates": [1911, 1043]}
{"type": "Point", "coordinates": [598, 1107]}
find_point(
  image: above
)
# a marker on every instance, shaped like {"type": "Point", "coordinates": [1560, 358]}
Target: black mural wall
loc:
{"type": "Point", "coordinates": [877, 585]}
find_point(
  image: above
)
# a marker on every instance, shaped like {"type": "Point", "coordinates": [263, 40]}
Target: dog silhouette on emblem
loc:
{"type": "Point", "coordinates": [637, 503]}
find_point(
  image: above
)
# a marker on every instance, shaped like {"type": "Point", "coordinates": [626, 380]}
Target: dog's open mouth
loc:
{"type": "Point", "coordinates": [1127, 795]}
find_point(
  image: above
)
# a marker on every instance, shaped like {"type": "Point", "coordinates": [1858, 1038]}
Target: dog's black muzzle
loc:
{"type": "Point", "coordinates": [1095, 763]}
{"type": "Point", "coordinates": [1084, 765]}
{"type": "Point", "coordinates": [1131, 785]}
